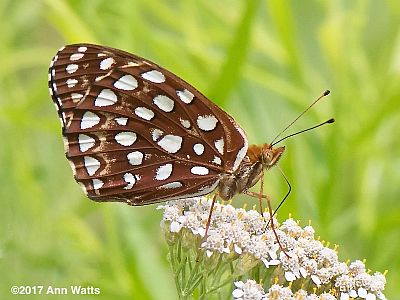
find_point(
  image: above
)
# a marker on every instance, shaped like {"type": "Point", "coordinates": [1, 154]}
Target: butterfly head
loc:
{"type": "Point", "coordinates": [270, 156]}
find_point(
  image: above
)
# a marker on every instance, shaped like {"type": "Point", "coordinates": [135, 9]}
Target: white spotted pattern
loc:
{"type": "Point", "coordinates": [207, 122]}
{"type": "Point", "coordinates": [91, 165]}
{"type": "Point", "coordinates": [171, 143]}
{"type": "Point", "coordinates": [144, 113]}
{"type": "Point", "coordinates": [85, 142]}
{"type": "Point", "coordinates": [185, 123]}
{"type": "Point", "coordinates": [89, 120]}
{"type": "Point", "coordinates": [156, 134]}
{"type": "Point", "coordinates": [71, 68]}
{"type": "Point", "coordinates": [121, 121]}
{"type": "Point", "coordinates": [219, 144]}
{"type": "Point", "coordinates": [97, 183]}
{"type": "Point", "coordinates": [199, 170]}
{"type": "Point", "coordinates": [163, 172]}
{"type": "Point", "coordinates": [106, 98]}
{"type": "Point", "coordinates": [154, 76]}
{"type": "Point", "coordinates": [126, 83]}
{"type": "Point", "coordinates": [106, 63]}
{"type": "Point", "coordinates": [82, 49]}
{"type": "Point", "coordinates": [130, 180]}
{"type": "Point", "coordinates": [239, 157]}
{"type": "Point", "coordinates": [76, 97]}
{"type": "Point", "coordinates": [76, 56]}
{"type": "Point", "coordinates": [171, 185]}
{"type": "Point", "coordinates": [71, 82]}
{"type": "Point", "coordinates": [135, 158]}
{"type": "Point", "coordinates": [198, 148]}
{"type": "Point", "coordinates": [217, 160]}
{"type": "Point", "coordinates": [185, 96]}
{"type": "Point", "coordinates": [125, 138]}
{"type": "Point", "coordinates": [242, 152]}
{"type": "Point", "coordinates": [164, 103]}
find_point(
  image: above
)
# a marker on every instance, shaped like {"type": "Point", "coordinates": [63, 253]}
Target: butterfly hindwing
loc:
{"type": "Point", "coordinates": [135, 132]}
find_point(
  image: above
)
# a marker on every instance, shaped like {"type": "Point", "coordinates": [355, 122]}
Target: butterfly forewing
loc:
{"type": "Point", "coordinates": [135, 132]}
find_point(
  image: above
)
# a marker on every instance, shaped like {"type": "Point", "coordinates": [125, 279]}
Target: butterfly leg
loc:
{"type": "Point", "coordinates": [261, 196]}
{"type": "Point", "coordinates": [214, 197]}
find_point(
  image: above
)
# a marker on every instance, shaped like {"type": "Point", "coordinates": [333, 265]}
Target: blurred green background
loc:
{"type": "Point", "coordinates": [262, 61]}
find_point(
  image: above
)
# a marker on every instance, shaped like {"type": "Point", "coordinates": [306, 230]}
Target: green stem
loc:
{"type": "Point", "coordinates": [188, 286]}
{"type": "Point", "coordinates": [228, 280]}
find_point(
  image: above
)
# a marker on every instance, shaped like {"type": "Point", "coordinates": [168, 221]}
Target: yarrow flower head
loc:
{"type": "Point", "coordinates": [241, 254]}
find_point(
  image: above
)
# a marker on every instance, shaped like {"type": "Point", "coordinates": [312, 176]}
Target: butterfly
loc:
{"type": "Point", "coordinates": [134, 132]}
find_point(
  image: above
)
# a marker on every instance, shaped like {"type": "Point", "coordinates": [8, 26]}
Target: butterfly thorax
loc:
{"type": "Point", "coordinates": [250, 170]}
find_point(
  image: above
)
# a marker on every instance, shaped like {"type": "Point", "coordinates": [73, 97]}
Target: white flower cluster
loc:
{"type": "Point", "coordinates": [239, 232]}
{"type": "Point", "coordinates": [254, 291]}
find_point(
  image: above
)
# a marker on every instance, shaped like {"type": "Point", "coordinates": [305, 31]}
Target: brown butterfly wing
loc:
{"type": "Point", "coordinates": [135, 132]}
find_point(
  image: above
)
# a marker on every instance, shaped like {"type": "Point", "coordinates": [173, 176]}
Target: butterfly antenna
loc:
{"type": "Point", "coordinates": [304, 130]}
{"type": "Point", "coordinates": [287, 194]}
{"type": "Point", "coordinates": [326, 93]}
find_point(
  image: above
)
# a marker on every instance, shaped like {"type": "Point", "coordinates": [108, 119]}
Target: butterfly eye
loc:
{"type": "Point", "coordinates": [269, 156]}
{"type": "Point", "coordinates": [135, 132]}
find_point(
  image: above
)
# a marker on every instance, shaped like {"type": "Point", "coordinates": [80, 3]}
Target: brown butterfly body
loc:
{"type": "Point", "coordinates": [250, 171]}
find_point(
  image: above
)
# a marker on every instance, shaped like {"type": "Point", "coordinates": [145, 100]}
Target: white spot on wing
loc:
{"type": "Point", "coordinates": [97, 183]}
{"type": "Point", "coordinates": [203, 190]}
{"type": "Point", "coordinates": [91, 164]}
{"type": "Point", "coordinates": [144, 113]}
{"type": "Point", "coordinates": [154, 76]}
{"type": "Point", "coordinates": [106, 98]}
{"type": "Point", "coordinates": [163, 172]}
{"type": "Point", "coordinates": [71, 82]}
{"type": "Point", "coordinates": [76, 56]}
{"type": "Point", "coordinates": [76, 97]}
{"type": "Point", "coordinates": [198, 148]}
{"type": "Point", "coordinates": [242, 152]}
{"type": "Point", "coordinates": [217, 160]}
{"type": "Point", "coordinates": [125, 138]}
{"type": "Point", "coordinates": [171, 185]}
{"type": "Point", "coordinates": [82, 49]}
{"type": "Point", "coordinates": [156, 134]}
{"type": "Point", "coordinates": [171, 143]}
{"type": "Point", "coordinates": [219, 144]}
{"type": "Point", "coordinates": [164, 103]}
{"type": "Point", "coordinates": [89, 120]}
{"type": "Point", "coordinates": [135, 158]}
{"type": "Point", "coordinates": [207, 122]}
{"type": "Point", "coordinates": [199, 170]}
{"type": "Point", "coordinates": [130, 180]}
{"type": "Point", "coordinates": [239, 157]}
{"type": "Point", "coordinates": [121, 121]}
{"type": "Point", "coordinates": [126, 83]}
{"type": "Point", "coordinates": [85, 142]}
{"type": "Point", "coordinates": [106, 63]}
{"type": "Point", "coordinates": [185, 123]}
{"type": "Point", "coordinates": [185, 96]}
{"type": "Point", "coordinates": [71, 68]}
